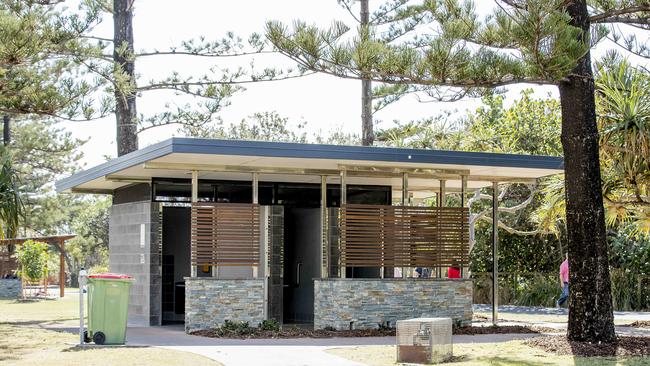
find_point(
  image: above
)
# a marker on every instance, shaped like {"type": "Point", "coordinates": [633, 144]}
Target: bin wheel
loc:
{"type": "Point", "coordinates": [86, 338]}
{"type": "Point", "coordinates": [99, 338]}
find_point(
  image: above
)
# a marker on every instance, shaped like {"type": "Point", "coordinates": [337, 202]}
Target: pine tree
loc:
{"type": "Point", "coordinates": [521, 41]}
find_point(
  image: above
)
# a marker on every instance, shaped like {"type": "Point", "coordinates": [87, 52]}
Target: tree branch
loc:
{"type": "Point", "coordinates": [614, 15]}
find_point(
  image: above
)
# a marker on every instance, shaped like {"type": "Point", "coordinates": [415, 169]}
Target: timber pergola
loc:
{"type": "Point", "coordinates": [413, 174]}
{"type": "Point", "coordinates": [56, 240]}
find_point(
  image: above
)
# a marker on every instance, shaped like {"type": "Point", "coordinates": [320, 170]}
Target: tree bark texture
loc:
{"type": "Point", "coordinates": [367, 128]}
{"type": "Point", "coordinates": [125, 103]}
{"type": "Point", "coordinates": [6, 134]}
{"type": "Point", "coordinates": [590, 302]}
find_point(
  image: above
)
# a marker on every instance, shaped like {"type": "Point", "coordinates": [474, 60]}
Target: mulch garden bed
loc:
{"type": "Point", "coordinates": [295, 332]}
{"type": "Point", "coordinates": [624, 346]}
{"type": "Point", "coordinates": [503, 329]}
{"type": "Point", "coordinates": [291, 332]}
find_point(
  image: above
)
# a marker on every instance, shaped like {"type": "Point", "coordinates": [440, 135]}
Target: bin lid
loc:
{"type": "Point", "coordinates": [114, 276]}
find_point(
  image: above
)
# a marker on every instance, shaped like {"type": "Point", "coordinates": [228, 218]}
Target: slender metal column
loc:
{"type": "Point", "coordinates": [463, 201]}
{"type": "Point", "coordinates": [195, 198]}
{"type": "Point", "coordinates": [344, 199]}
{"type": "Point", "coordinates": [405, 189]}
{"type": "Point", "coordinates": [256, 183]}
{"type": "Point", "coordinates": [324, 222]}
{"type": "Point", "coordinates": [405, 202]}
{"type": "Point", "coordinates": [255, 200]}
{"type": "Point", "coordinates": [495, 252]}
{"type": "Point", "coordinates": [442, 195]}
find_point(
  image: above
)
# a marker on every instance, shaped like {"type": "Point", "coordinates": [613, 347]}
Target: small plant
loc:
{"type": "Point", "coordinates": [270, 325]}
{"type": "Point", "coordinates": [32, 256]}
{"type": "Point", "coordinates": [329, 328]}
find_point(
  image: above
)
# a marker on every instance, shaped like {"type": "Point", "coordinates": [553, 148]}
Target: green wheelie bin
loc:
{"type": "Point", "coordinates": [108, 304]}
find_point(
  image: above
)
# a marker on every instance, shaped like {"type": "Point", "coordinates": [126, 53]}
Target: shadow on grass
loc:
{"type": "Point", "coordinates": [94, 347]}
{"type": "Point", "coordinates": [506, 361]}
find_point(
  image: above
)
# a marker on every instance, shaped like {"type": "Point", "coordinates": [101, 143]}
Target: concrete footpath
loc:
{"type": "Point", "coordinates": [272, 352]}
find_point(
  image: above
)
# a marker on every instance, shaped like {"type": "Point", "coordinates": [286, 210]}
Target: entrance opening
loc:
{"type": "Point", "coordinates": [175, 262]}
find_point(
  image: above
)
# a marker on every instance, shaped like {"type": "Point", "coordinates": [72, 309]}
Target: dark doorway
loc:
{"type": "Point", "coordinates": [301, 262]}
{"type": "Point", "coordinates": [175, 262]}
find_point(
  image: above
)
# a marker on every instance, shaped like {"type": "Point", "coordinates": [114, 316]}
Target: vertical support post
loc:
{"type": "Point", "coordinates": [442, 195]}
{"type": "Point", "coordinates": [255, 201]}
{"type": "Point", "coordinates": [256, 184]}
{"type": "Point", "coordinates": [495, 252]}
{"type": "Point", "coordinates": [195, 198]}
{"type": "Point", "coordinates": [324, 225]}
{"type": "Point", "coordinates": [344, 199]}
{"type": "Point", "coordinates": [405, 189]}
{"type": "Point", "coordinates": [61, 269]}
{"type": "Point", "coordinates": [405, 202]}
{"type": "Point", "coordinates": [464, 271]}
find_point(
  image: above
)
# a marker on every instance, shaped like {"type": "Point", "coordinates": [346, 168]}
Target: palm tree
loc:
{"type": "Point", "coordinates": [623, 106]}
{"type": "Point", "coordinates": [11, 205]}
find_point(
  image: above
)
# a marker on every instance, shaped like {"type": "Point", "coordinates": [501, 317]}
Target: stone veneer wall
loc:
{"type": "Point", "coordinates": [10, 288]}
{"type": "Point", "coordinates": [367, 303]}
{"type": "Point", "coordinates": [209, 302]}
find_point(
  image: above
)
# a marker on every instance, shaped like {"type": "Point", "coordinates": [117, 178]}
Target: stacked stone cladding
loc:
{"type": "Point", "coordinates": [209, 302]}
{"type": "Point", "coordinates": [370, 303]}
{"type": "Point", "coordinates": [10, 288]}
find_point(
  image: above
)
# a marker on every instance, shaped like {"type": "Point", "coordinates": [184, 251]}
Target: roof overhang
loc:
{"type": "Point", "coordinates": [292, 162]}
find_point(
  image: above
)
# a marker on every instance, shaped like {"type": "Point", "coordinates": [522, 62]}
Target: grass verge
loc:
{"type": "Point", "coordinates": [494, 354]}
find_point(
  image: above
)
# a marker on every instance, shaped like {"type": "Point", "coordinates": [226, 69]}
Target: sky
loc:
{"type": "Point", "coordinates": [325, 102]}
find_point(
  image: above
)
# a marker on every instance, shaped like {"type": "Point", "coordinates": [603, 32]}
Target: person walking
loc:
{"type": "Point", "coordinates": [564, 282]}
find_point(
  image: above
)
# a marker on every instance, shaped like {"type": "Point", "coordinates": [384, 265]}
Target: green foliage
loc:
{"type": "Point", "coordinates": [233, 329]}
{"type": "Point", "coordinates": [630, 291]}
{"type": "Point", "coordinates": [32, 256]}
{"type": "Point", "coordinates": [462, 49]}
{"type": "Point", "coordinates": [11, 202]}
{"type": "Point", "coordinates": [40, 49]}
{"type": "Point", "coordinates": [100, 268]}
{"type": "Point", "coordinates": [268, 126]}
{"type": "Point", "coordinates": [623, 107]}
{"type": "Point", "coordinates": [270, 325]}
{"type": "Point", "coordinates": [529, 126]}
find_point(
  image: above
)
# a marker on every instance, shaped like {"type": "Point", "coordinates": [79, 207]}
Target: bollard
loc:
{"type": "Point", "coordinates": [83, 279]}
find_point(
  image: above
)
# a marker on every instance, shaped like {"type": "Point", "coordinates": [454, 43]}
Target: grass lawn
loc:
{"type": "Point", "coordinates": [494, 354]}
{"type": "Point", "coordinates": [43, 311]}
{"type": "Point", "coordinates": [23, 342]}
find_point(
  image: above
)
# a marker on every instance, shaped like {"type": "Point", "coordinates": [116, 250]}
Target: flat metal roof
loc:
{"type": "Point", "coordinates": [282, 154]}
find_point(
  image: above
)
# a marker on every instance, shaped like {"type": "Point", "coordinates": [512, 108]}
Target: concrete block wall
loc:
{"type": "Point", "coordinates": [134, 249]}
{"type": "Point", "coordinates": [10, 288]}
{"type": "Point", "coordinates": [367, 303]}
{"type": "Point", "coordinates": [210, 301]}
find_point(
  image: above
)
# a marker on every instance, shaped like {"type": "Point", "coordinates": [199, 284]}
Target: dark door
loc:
{"type": "Point", "coordinates": [302, 263]}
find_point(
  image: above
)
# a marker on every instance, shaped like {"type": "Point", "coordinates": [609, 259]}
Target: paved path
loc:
{"type": "Point", "coordinates": [285, 352]}
{"type": "Point", "coordinates": [537, 310]}
{"type": "Point", "coordinates": [310, 351]}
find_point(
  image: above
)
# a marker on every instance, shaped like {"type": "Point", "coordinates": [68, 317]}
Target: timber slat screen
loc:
{"type": "Point", "coordinates": [225, 234]}
{"type": "Point", "coordinates": [403, 236]}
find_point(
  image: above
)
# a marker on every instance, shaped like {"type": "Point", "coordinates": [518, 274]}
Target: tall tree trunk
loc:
{"type": "Point", "coordinates": [367, 133]}
{"type": "Point", "coordinates": [591, 316]}
{"type": "Point", "coordinates": [125, 111]}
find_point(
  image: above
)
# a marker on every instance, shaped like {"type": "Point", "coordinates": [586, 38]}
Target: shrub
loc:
{"type": "Point", "coordinates": [32, 256]}
{"type": "Point", "coordinates": [270, 325]}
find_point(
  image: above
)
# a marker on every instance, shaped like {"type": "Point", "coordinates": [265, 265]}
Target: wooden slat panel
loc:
{"type": "Point", "coordinates": [225, 234]}
{"type": "Point", "coordinates": [402, 236]}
